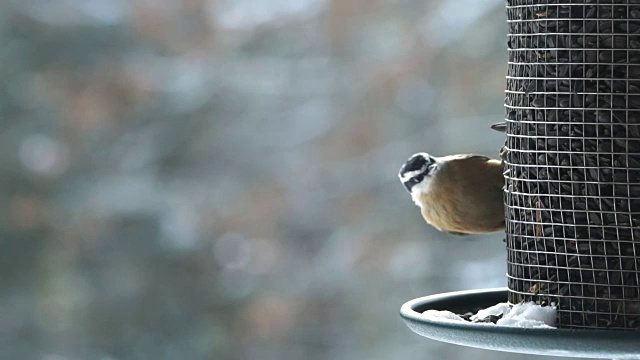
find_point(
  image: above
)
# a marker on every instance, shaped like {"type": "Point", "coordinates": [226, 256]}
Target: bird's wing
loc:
{"type": "Point", "coordinates": [492, 168]}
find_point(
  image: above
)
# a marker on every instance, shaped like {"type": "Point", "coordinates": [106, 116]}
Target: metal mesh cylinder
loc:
{"type": "Point", "coordinates": [572, 161]}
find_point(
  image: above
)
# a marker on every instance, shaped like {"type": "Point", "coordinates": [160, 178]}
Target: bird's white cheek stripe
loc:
{"type": "Point", "coordinates": [410, 174]}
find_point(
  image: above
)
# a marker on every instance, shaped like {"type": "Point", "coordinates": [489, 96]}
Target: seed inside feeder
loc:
{"type": "Point", "coordinates": [573, 159]}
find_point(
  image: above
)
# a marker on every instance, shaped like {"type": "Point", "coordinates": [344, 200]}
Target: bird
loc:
{"type": "Point", "coordinates": [458, 194]}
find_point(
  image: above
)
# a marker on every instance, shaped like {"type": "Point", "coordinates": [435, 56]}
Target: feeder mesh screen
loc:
{"type": "Point", "coordinates": [572, 160]}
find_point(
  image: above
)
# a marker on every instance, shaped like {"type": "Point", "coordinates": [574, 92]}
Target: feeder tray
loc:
{"type": "Point", "coordinates": [599, 344]}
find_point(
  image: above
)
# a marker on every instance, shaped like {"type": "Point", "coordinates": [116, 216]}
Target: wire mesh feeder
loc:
{"type": "Point", "coordinates": [572, 161]}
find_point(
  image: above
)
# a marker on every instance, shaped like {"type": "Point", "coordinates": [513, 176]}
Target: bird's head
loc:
{"type": "Point", "coordinates": [416, 173]}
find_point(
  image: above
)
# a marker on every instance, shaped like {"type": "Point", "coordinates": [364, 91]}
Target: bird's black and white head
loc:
{"type": "Point", "coordinates": [417, 172]}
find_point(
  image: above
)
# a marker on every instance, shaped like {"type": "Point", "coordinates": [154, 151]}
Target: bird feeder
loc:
{"type": "Point", "coordinates": [572, 164]}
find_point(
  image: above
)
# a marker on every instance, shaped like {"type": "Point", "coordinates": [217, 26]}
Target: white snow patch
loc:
{"type": "Point", "coordinates": [523, 315]}
{"type": "Point", "coordinates": [530, 315]}
{"type": "Point", "coordinates": [495, 310]}
{"type": "Point", "coordinates": [443, 314]}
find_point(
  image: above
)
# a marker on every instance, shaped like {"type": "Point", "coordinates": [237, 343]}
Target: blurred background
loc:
{"type": "Point", "coordinates": [216, 179]}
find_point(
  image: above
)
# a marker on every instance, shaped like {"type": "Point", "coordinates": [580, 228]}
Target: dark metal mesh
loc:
{"type": "Point", "coordinates": [572, 163]}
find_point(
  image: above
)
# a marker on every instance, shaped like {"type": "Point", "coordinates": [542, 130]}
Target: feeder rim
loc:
{"type": "Point", "coordinates": [592, 343]}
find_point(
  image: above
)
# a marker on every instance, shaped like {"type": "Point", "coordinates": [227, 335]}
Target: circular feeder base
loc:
{"type": "Point", "coordinates": [600, 344]}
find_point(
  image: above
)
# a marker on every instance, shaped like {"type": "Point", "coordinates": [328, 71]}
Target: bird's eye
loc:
{"type": "Point", "coordinates": [416, 179]}
{"type": "Point", "coordinates": [410, 183]}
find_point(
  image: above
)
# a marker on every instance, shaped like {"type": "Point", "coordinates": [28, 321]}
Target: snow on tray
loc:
{"type": "Point", "coordinates": [530, 315]}
{"type": "Point", "coordinates": [523, 315]}
{"type": "Point", "coordinates": [495, 310]}
{"type": "Point", "coordinates": [443, 314]}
